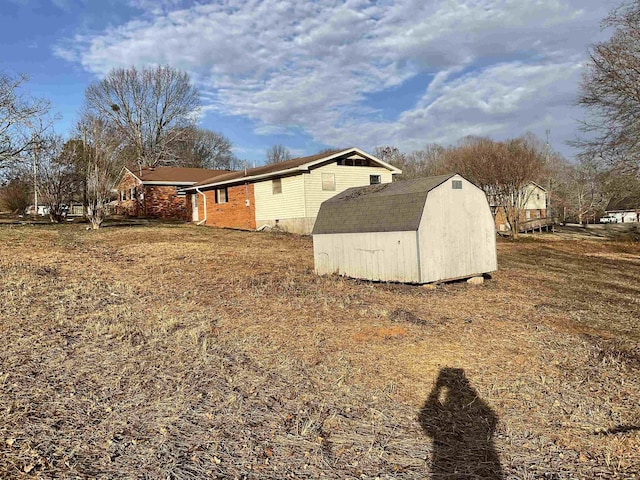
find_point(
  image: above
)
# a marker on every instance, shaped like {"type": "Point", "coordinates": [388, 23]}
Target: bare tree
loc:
{"type": "Point", "coordinates": [503, 170]}
{"type": "Point", "coordinates": [148, 108]}
{"type": "Point", "coordinates": [586, 189]}
{"type": "Point", "coordinates": [21, 119]}
{"type": "Point", "coordinates": [56, 177]}
{"type": "Point", "coordinates": [419, 163]}
{"type": "Point", "coordinates": [103, 154]}
{"type": "Point", "coordinates": [611, 92]}
{"type": "Point", "coordinates": [278, 153]}
{"type": "Point", "coordinates": [202, 148]}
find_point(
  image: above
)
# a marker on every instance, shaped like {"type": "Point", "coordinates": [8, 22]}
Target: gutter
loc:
{"type": "Point", "coordinates": [205, 207]}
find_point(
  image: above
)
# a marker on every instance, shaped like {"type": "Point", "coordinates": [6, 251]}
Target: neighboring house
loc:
{"type": "Point", "coordinates": [287, 194]}
{"type": "Point", "coordinates": [534, 208]}
{"type": "Point", "coordinates": [624, 209]}
{"type": "Point", "coordinates": [156, 192]}
{"type": "Point", "coordinates": [417, 231]}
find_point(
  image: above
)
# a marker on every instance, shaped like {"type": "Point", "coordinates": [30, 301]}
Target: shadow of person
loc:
{"type": "Point", "coordinates": [461, 426]}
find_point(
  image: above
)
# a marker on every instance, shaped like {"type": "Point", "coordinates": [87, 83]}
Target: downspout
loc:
{"type": "Point", "coordinates": [204, 206]}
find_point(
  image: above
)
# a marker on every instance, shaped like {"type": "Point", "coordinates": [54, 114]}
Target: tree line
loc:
{"type": "Point", "coordinates": [133, 117]}
{"type": "Point", "coordinates": [148, 117]}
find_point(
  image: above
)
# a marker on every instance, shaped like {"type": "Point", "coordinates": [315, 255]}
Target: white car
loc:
{"type": "Point", "coordinates": [608, 219]}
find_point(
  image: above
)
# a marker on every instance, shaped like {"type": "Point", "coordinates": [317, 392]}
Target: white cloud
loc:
{"type": "Point", "coordinates": [311, 65]}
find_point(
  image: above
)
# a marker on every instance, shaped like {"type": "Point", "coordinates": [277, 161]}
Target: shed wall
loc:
{"type": "Point", "coordinates": [379, 256]}
{"type": "Point", "coordinates": [457, 233]}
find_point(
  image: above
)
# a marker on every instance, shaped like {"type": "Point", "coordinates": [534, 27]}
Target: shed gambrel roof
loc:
{"type": "Point", "coordinates": [387, 207]}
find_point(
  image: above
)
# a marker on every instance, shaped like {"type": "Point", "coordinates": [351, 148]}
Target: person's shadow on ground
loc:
{"type": "Point", "coordinates": [461, 426]}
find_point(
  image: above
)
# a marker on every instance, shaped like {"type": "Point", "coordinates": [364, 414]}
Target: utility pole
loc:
{"type": "Point", "coordinates": [35, 177]}
{"type": "Point", "coordinates": [85, 161]}
{"type": "Point", "coordinates": [548, 154]}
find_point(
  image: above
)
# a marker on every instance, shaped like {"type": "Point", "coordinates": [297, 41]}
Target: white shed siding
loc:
{"type": "Point", "coordinates": [457, 233]}
{"type": "Point", "coordinates": [381, 256]}
{"type": "Point", "coordinates": [288, 204]}
{"type": "Point", "coordinates": [346, 177]}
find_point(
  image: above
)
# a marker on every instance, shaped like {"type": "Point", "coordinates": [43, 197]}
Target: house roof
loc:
{"type": "Point", "coordinates": [621, 204]}
{"type": "Point", "coordinates": [387, 207]}
{"type": "Point", "coordinates": [292, 166]}
{"type": "Point", "coordinates": [174, 175]}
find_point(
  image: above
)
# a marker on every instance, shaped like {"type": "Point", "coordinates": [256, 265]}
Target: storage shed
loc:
{"type": "Point", "coordinates": [416, 231]}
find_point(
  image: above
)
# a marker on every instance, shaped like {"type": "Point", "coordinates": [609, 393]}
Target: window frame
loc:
{"type": "Point", "coordinates": [372, 182]}
{"type": "Point", "coordinates": [324, 180]}
{"type": "Point", "coordinates": [226, 195]}
{"type": "Point", "coordinates": [276, 186]}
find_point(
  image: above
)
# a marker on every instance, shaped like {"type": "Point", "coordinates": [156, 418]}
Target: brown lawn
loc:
{"type": "Point", "coordinates": [182, 352]}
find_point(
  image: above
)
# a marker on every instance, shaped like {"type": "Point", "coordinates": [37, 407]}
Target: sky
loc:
{"type": "Point", "coordinates": [323, 74]}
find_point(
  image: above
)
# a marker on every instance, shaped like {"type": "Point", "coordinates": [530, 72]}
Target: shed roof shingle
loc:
{"type": "Point", "coordinates": [387, 207]}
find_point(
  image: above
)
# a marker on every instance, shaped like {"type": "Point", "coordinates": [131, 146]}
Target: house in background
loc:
{"type": "Point", "coordinates": [534, 213]}
{"type": "Point", "coordinates": [416, 231]}
{"type": "Point", "coordinates": [156, 192]}
{"type": "Point", "coordinates": [624, 209]}
{"type": "Point", "coordinates": [287, 194]}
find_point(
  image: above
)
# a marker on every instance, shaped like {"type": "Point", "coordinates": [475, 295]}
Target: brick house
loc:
{"type": "Point", "coordinates": [286, 194]}
{"type": "Point", "coordinates": [534, 208]}
{"type": "Point", "coordinates": [156, 192]}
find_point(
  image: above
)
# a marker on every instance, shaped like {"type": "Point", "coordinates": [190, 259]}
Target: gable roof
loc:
{"type": "Point", "coordinates": [295, 165]}
{"type": "Point", "coordinates": [621, 204]}
{"type": "Point", "coordinates": [387, 207]}
{"type": "Point", "coordinates": [173, 175]}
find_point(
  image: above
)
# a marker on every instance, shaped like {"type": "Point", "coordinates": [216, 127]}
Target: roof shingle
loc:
{"type": "Point", "coordinates": [387, 207]}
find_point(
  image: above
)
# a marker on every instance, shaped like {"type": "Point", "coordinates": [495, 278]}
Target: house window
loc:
{"type": "Point", "coordinates": [374, 179]}
{"type": "Point", "coordinates": [527, 214]}
{"type": "Point", "coordinates": [537, 213]}
{"type": "Point", "coordinates": [222, 195]}
{"type": "Point", "coordinates": [276, 186]}
{"type": "Point", "coordinates": [133, 193]}
{"type": "Point", "coordinates": [329, 181]}
{"type": "Point", "coordinates": [123, 195]}
{"type": "Point", "coordinates": [456, 184]}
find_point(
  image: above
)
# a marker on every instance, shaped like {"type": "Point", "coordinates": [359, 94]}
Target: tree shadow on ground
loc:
{"type": "Point", "coordinates": [461, 426]}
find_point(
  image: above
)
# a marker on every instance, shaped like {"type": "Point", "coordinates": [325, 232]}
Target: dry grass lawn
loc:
{"type": "Point", "coordinates": [182, 352]}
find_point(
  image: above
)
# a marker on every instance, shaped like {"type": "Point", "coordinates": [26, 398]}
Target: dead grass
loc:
{"type": "Point", "coordinates": [182, 352]}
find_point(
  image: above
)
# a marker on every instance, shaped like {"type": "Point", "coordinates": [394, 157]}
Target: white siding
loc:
{"type": "Point", "coordinates": [383, 256]}
{"type": "Point", "coordinates": [537, 199]}
{"type": "Point", "coordinates": [280, 206]}
{"type": "Point", "coordinates": [346, 177]}
{"type": "Point", "coordinates": [457, 233]}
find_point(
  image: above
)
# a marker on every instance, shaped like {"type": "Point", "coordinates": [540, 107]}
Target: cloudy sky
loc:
{"type": "Point", "coordinates": [325, 73]}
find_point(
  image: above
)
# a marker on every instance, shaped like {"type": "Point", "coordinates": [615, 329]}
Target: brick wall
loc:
{"type": "Point", "coordinates": [233, 214]}
{"type": "Point", "coordinates": [502, 220]}
{"type": "Point", "coordinates": [158, 201]}
{"type": "Point", "coordinates": [164, 202]}
{"type": "Point", "coordinates": [130, 206]}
